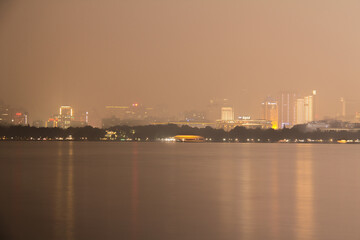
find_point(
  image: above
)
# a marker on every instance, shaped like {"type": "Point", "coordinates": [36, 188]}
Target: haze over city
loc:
{"type": "Point", "coordinates": [179, 54]}
{"type": "Point", "coordinates": [180, 119]}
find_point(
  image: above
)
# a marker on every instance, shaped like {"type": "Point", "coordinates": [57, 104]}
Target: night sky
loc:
{"type": "Point", "coordinates": [92, 53]}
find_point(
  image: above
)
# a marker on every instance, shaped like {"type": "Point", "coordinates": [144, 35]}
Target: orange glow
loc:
{"type": "Point", "coordinates": [189, 138]}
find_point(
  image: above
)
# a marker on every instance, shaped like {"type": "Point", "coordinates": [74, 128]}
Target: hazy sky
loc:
{"type": "Point", "coordinates": [91, 53]}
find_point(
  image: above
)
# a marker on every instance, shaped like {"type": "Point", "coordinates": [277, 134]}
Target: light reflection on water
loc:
{"type": "Point", "coordinates": [134, 192]}
{"type": "Point", "coordinates": [64, 193]}
{"type": "Point", "coordinates": [73, 190]}
{"type": "Point", "coordinates": [304, 193]}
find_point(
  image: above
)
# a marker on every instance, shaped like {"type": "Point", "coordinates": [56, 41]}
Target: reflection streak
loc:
{"type": "Point", "coordinates": [304, 193]}
{"type": "Point", "coordinates": [64, 194]}
{"type": "Point", "coordinates": [135, 193]}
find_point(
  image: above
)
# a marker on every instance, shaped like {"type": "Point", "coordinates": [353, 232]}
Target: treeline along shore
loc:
{"type": "Point", "coordinates": [163, 132]}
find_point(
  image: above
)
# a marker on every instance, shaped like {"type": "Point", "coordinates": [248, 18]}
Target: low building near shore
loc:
{"type": "Point", "coordinates": [228, 125]}
{"type": "Point", "coordinates": [189, 138]}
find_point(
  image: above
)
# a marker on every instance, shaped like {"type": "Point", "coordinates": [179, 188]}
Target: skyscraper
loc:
{"type": "Point", "coordinates": [300, 111]}
{"type": "Point", "coordinates": [287, 109]}
{"type": "Point", "coordinates": [227, 114]}
{"type": "Point", "coordinates": [309, 108]}
{"type": "Point", "coordinates": [305, 109]}
{"type": "Point", "coordinates": [65, 116]}
{"type": "Point", "coordinates": [270, 111]}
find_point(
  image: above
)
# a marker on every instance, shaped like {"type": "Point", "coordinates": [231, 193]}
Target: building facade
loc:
{"type": "Point", "coordinates": [270, 111]}
{"type": "Point", "coordinates": [287, 109]}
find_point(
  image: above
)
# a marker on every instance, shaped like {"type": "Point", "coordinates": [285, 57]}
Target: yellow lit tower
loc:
{"type": "Point", "coordinates": [66, 116]}
{"type": "Point", "coordinates": [270, 111]}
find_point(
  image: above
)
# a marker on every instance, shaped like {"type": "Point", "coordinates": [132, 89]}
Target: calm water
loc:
{"type": "Point", "coordinates": [78, 190]}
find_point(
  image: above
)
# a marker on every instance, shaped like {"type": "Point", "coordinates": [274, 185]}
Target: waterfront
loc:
{"type": "Point", "coordinates": [110, 190]}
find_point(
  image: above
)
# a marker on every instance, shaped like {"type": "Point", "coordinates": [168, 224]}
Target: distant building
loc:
{"type": "Point", "coordinates": [52, 122]}
{"type": "Point", "coordinates": [270, 111]}
{"type": "Point", "coordinates": [332, 125]}
{"type": "Point", "coordinates": [250, 124]}
{"type": "Point", "coordinates": [357, 117]}
{"type": "Point", "coordinates": [227, 114]}
{"type": "Point", "coordinates": [21, 118]}
{"type": "Point", "coordinates": [309, 108]}
{"type": "Point", "coordinates": [213, 111]}
{"type": "Point", "coordinates": [66, 116]}
{"type": "Point", "coordinates": [287, 109]}
{"type": "Point", "coordinates": [135, 111]}
{"type": "Point", "coordinates": [300, 111]}
{"type": "Point", "coordinates": [305, 109]}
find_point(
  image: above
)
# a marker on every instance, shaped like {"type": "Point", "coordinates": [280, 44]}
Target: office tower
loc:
{"type": "Point", "coordinates": [66, 116]}
{"type": "Point", "coordinates": [270, 111]}
{"type": "Point", "coordinates": [287, 109]}
{"type": "Point", "coordinates": [305, 109]}
{"type": "Point", "coordinates": [309, 109]}
{"type": "Point", "coordinates": [21, 118]}
{"type": "Point", "coordinates": [315, 105]}
{"type": "Point", "coordinates": [227, 114]}
{"type": "Point", "coordinates": [300, 111]}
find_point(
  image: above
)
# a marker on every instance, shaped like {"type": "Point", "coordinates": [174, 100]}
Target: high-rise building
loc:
{"type": "Point", "coordinates": [21, 118]}
{"type": "Point", "coordinates": [287, 109]}
{"type": "Point", "coordinates": [227, 114]}
{"type": "Point", "coordinates": [213, 112]}
{"type": "Point", "coordinates": [300, 111]}
{"type": "Point", "coordinates": [305, 109]}
{"type": "Point", "coordinates": [66, 116]}
{"type": "Point", "coordinates": [270, 111]}
{"type": "Point", "coordinates": [52, 122]}
{"type": "Point", "coordinates": [309, 108]}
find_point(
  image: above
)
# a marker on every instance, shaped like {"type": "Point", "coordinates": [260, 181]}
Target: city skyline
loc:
{"type": "Point", "coordinates": [284, 110]}
{"type": "Point", "coordinates": [120, 53]}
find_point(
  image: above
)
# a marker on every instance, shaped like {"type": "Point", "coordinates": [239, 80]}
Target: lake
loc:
{"type": "Point", "coordinates": [111, 190]}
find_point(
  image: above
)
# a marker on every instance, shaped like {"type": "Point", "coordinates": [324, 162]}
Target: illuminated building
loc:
{"type": "Point", "coordinates": [305, 109]}
{"type": "Point", "coordinates": [213, 112]}
{"type": "Point", "coordinates": [300, 111]}
{"type": "Point", "coordinates": [357, 117]}
{"type": "Point", "coordinates": [250, 124]}
{"type": "Point", "coordinates": [309, 108]}
{"type": "Point", "coordinates": [65, 116]}
{"type": "Point", "coordinates": [187, 123]}
{"type": "Point", "coordinates": [80, 119]}
{"type": "Point", "coordinates": [5, 118]}
{"type": "Point", "coordinates": [52, 122]}
{"type": "Point", "coordinates": [135, 111]}
{"type": "Point", "coordinates": [21, 118]}
{"type": "Point", "coordinates": [227, 114]}
{"type": "Point", "coordinates": [270, 111]}
{"type": "Point", "coordinates": [287, 109]}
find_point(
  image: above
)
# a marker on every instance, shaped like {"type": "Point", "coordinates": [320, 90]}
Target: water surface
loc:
{"type": "Point", "coordinates": [102, 190]}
